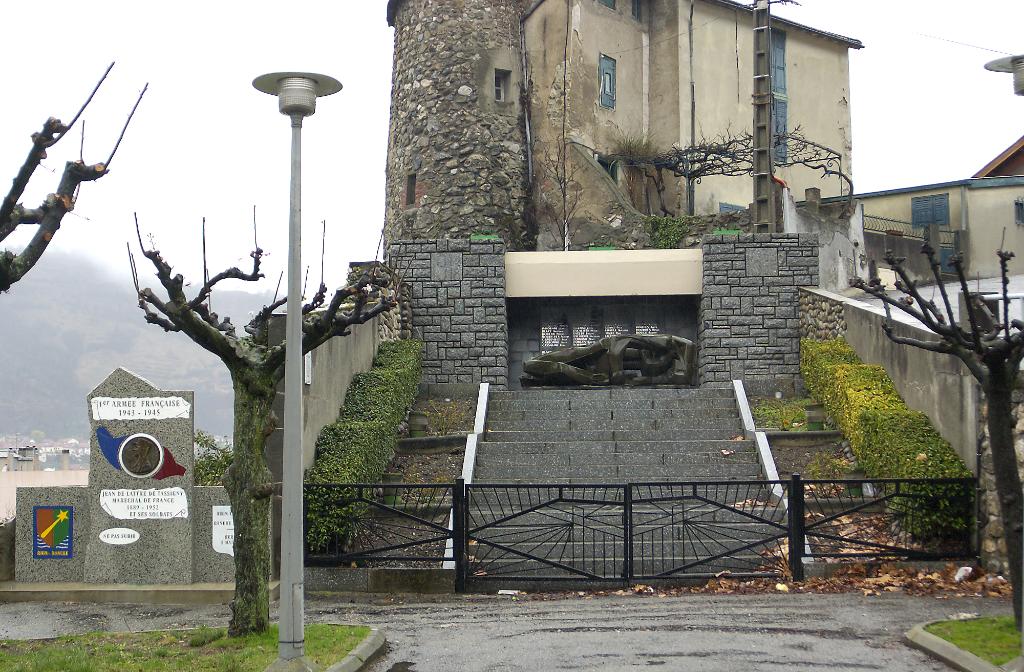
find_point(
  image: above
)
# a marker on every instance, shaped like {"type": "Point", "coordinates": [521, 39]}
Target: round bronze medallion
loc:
{"type": "Point", "coordinates": [141, 455]}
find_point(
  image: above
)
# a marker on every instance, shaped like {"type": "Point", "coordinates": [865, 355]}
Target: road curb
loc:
{"type": "Point", "coordinates": [950, 654]}
{"type": "Point", "coordinates": [358, 657]}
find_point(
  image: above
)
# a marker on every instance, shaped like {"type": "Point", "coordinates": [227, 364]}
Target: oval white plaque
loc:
{"type": "Point", "coordinates": [119, 536]}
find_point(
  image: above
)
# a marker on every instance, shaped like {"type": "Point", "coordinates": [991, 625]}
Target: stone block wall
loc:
{"type": "Point", "coordinates": [456, 290]}
{"type": "Point", "coordinates": [749, 326]}
{"type": "Point", "coordinates": [822, 317]}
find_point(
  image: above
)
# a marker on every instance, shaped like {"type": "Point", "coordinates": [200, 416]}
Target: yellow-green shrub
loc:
{"type": "Point", "coordinates": [358, 447]}
{"type": "Point", "coordinates": [888, 439]}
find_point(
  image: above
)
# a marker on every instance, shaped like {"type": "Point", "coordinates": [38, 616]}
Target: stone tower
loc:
{"type": "Point", "coordinates": [457, 156]}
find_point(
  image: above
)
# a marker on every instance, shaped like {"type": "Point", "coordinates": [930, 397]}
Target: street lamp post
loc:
{"type": "Point", "coordinates": [1015, 65]}
{"type": "Point", "coordinates": [296, 94]}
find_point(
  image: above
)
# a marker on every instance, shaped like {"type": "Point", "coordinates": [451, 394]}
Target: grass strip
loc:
{"type": "Point", "coordinates": [991, 639]}
{"type": "Point", "coordinates": [200, 650]}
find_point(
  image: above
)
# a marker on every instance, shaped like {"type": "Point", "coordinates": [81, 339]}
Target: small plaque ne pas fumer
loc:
{"type": "Point", "coordinates": [53, 532]}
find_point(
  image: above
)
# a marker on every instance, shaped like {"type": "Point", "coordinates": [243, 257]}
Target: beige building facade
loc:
{"type": "Point", "coordinates": [673, 72]}
{"type": "Point", "coordinates": [981, 213]}
{"type": "Point", "coordinates": [485, 90]}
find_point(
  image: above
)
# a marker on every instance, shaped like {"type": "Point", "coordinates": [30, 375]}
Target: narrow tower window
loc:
{"type": "Point", "coordinates": [637, 10]}
{"type": "Point", "coordinates": [606, 74]}
{"type": "Point", "coordinates": [502, 85]}
{"type": "Point", "coordinates": [410, 190]}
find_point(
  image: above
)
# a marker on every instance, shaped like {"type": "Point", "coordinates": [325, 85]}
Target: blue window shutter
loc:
{"type": "Point", "coordinates": [606, 73]}
{"type": "Point", "coordinates": [778, 60]}
{"type": "Point", "coordinates": [940, 209]}
{"type": "Point", "coordinates": [613, 86]}
{"type": "Point", "coordinates": [920, 211]}
{"type": "Point", "coordinates": [928, 210]}
{"type": "Point", "coordinates": [780, 127]}
{"type": "Point", "coordinates": [608, 3]}
{"type": "Point", "coordinates": [637, 10]}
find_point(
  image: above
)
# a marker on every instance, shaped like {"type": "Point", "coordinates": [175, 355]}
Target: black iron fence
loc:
{"type": "Point", "coordinates": [638, 531]}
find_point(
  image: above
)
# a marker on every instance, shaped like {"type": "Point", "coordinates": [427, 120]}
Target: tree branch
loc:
{"type": "Point", "coordinates": [233, 273]}
{"type": "Point", "coordinates": [13, 266]}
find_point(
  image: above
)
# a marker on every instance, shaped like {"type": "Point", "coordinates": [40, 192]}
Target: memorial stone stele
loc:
{"type": "Point", "coordinates": [140, 520]}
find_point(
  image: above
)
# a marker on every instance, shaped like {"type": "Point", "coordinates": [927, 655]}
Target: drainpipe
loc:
{"type": "Point", "coordinates": [965, 221]}
{"type": "Point", "coordinates": [691, 192]}
{"type": "Point", "coordinates": [525, 100]}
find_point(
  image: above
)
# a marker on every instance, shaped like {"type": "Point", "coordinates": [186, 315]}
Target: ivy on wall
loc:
{"type": "Point", "coordinates": [358, 447]}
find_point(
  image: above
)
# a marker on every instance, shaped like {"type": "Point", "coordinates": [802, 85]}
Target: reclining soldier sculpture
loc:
{"type": "Point", "coordinates": [615, 360]}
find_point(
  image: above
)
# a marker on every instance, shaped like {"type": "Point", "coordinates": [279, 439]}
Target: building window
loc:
{"type": "Point", "coordinates": [637, 10]}
{"type": "Point", "coordinates": [1018, 211]}
{"type": "Point", "coordinates": [778, 61]}
{"type": "Point", "coordinates": [606, 73]}
{"type": "Point", "coordinates": [780, 127]}
{"type": "Point", "coordinates": [502, 85]}
{"type": "Point", "coordinates": [780, 100]}
{"type": "Point", "coordinates": [608, 3]}
{"type": "Point", "coordinates": [410, 190]}
{"type": "Point", "coordinates": [928, 210]}
{"type": "Point", "coordinates": [610, 167]}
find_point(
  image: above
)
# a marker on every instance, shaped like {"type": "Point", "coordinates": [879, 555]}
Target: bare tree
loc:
{"type": "Point", "coordinates": [256, 366]}
{"type": "Point", "coordinates": [991, 347]}
{"type": "Point", "coordinates": [558, 170]}
{"type": "Point", "coordinates": [732, 155]}
{"type": "Point", "coordinates": [49, 214]}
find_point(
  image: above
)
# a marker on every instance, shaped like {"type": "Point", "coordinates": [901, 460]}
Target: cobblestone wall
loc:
{"type": "Point", "coordinates": [821, 318]}
{"type": "Point", "coordinates": [749, 326]}
{"type": "Point", "coordinates": [466, 149]}
{"type": "Point", "coordinates": [457, 295]}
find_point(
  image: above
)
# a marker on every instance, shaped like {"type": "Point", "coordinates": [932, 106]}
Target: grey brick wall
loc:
{"type": "Point", "coordinates": [457, 292]}
{"type": "Point", "coordinates": [749, 327]}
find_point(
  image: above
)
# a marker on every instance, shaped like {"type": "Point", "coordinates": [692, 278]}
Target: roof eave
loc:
{"type": "Point", "coordinates": [1001, 159]}
{"type": "Point", "coordinates": [850, 42]}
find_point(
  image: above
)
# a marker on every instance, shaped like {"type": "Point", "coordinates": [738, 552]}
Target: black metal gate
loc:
{"type": "Point", "coordinates": [637, 531]}
{"type": "Point", "coordinates": [708, 528]}
{"type": "Point", "coordinates": [544, 532]}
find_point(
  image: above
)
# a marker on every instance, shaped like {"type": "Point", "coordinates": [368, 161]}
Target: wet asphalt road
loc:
{"type": "Point", "coordinates": [702, 633]}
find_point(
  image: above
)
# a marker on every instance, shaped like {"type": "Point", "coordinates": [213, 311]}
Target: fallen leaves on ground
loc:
{"type": "Point", "coordinates": [867, 580]}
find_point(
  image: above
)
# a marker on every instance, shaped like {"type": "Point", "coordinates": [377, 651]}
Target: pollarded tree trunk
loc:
{"type": "Point", "coordinates": [249, 487]}
{"type": "Point", "coordinates": [999, 393]}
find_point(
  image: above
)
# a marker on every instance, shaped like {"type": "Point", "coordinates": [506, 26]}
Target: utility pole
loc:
{"type": "Point", "coordinates": [764, 189]}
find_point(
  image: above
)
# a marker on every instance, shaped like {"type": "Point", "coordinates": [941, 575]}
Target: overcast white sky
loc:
{"type": "Point", "coordinates": [205, 143]}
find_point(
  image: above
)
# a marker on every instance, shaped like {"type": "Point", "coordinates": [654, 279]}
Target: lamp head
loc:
{"type": "Point", "coordinates": [1014, 64]}
{"type": "Point", "coordinates": [296, 91]}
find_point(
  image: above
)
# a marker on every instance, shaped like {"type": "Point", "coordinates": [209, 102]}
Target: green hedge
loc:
{"type": "Point", "coordinates": [358, 446]}
{"type": "Point", "coordinates": [888, 439]}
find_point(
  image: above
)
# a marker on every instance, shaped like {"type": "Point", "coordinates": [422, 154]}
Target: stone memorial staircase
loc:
{"type": "Point", "coordinates": [570, 440]}
{"type": "Point", "coordinates": [614, 436]}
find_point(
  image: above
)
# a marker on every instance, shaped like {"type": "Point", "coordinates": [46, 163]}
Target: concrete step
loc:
{"type": "Point", "coordinates": [574, 422]}
{"type": "Point", "coordinates": [609, 404]}
{"type": "Point", "coordinates": [650, 520]}
{"type": "Point", "coordinates": [598, 473]}
{"type": "Point", "coordinates": [616, 413]}
{"type": "Point", "coordinates": [584, 460]}
{"type": "Point", "coordinates": [615, 393]}
{"type": "Point", "coordinates": [519, 436]}
{"type": "Point", "coordinates": [494, 566]}
{"type": "Point", "coordinates": [608, 447]}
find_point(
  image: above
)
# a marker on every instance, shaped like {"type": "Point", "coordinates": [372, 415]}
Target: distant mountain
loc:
{"type": "Point", "coordinates": [68, 324]}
